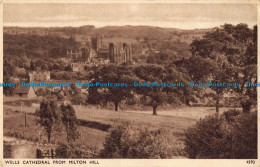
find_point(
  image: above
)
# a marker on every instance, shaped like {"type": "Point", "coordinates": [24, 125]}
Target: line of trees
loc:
{"type": "Point", "coordinates": [51, 118]}
{"type": "Point", "coordinates": [153, 95]}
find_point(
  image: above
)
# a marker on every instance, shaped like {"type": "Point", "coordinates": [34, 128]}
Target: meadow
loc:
{"type": "Point", "coordinates": [94, 123]}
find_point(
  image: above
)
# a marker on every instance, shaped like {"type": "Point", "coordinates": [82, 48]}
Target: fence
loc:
{"type": "Point", "coordinates": [49, 153]}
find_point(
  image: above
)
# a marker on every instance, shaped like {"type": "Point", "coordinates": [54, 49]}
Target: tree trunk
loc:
{"type": "Point", "coordinates": [49, 137]}
{"type": "Point", "coordinates": [154, 109]}
{"type": "Point", "coordinates": [246, 106]}
{"type": "Point", "coordinates": [116, 106]}
{"type": "Point", "coordinates": [217, 106]}
{"type": "Point", "coordinates": [68, 137]}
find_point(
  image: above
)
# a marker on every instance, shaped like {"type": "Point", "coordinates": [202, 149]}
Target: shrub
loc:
{"type": "Point", "coordinates": [230, 115]}
{"type": "Point", "coordinates": [63, 151]}
{"type": "Point", "coordinates": [73, 151]}
{"type": "Point", "coordinates": [244, 136]}
{"type": "Point", "coordinates": [228, 135]}
{"type": "Point", "coordinates": [79, 99]}
{"type": "Point", "coordinates": [7, 151]}
{"type": "Point", "coordinates": [126, 141]}
{"type": "Point", "coordinates": [203, 140]}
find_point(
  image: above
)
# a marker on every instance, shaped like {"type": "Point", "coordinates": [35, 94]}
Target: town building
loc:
{"type": "Point", "coordinates": [116, 51]}
{"type": "Point", "coordinates": [40, 76]}
{"type": "Point", "coordinates": [24, 92]}
{"type": "Point", "coordinates": [120, 53]}
{"type": "Point", "coordinates": [77, 66]}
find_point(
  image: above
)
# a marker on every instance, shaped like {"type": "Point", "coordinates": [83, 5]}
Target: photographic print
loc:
{"type": "Point", "coordinates": [88, 82]}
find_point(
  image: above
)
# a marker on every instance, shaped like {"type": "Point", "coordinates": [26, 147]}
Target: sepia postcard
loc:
{"type": "Point", "coordinates": [144, 83]}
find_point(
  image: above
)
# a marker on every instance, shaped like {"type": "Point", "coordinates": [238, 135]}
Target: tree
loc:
{"type": "Point", "coordinates": [208, 70]}
{"type": "Point", "coordinates": [246, 67]}
{"type": "Point", "coordinates": [8, 72]}
{"type": "Point", "coordinates": [159, 94]}
{"type": "Point", "coordinates": [70, 121]}
{"type": "Point", "coordinates": [47, 116]}
{"type": "Point", "coordinates": [115, 78]}
{"type": "Point", "coordinates": [44, 67]}
{"type": "Point", "coordinates": [162, 58]}
{"type": "Point", "coordinates": [231, 50]}
{"type": "Point", "coordinates": [32, 66]}
{"type": "Point", "coordinates": [68, 68]}
{"type": "Point", "coordinates": [79, 99]}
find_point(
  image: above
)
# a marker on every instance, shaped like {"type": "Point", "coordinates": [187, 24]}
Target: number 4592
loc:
{"type": "Point", "coordinates": [250, 161]}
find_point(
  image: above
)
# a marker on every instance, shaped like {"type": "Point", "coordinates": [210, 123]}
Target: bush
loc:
{"type": "Point", "coordinates": [203, 140]}
{"type": "Point", "coordinates": [7, 150]}
{"type": "Point", "coordinates": [126, 141]}
{"type": "Point", "coordinates": [244, 136]}
{"type": "Point", "coordinates": [232, 135]}
{"type": "Point", "coordinates": [72, 151]}
{"type": "Point", "coordinates": [63, 151]}
{"type": "Point", "coordinates": [231, 115]}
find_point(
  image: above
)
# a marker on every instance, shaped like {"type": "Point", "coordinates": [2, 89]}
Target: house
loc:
{"type": "Point", "coordinates": [24, 92]}
{"type": "Point", "coordinates": [77, 66]}
{"type": "Point", "coordinates": [40, 76]}
{"type": "Point", "coordinates": [63, 94]}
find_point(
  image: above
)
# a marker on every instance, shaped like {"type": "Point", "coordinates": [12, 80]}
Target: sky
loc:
{"type": "Point", "coordinates": [171, 15]}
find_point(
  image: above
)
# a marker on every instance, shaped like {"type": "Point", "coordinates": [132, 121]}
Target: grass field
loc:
{"type": "Point", "coordinates": [175, 121]}
{"type": "Point", "coordinates": [14, 125]}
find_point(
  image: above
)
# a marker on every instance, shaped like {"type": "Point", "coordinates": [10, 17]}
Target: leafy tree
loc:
{"type": "Point", "coordinates": [56, 67]}
{"type": "Point", "coordinates": [162, 58]}
{"type": "Point", "coordinates": [8, 72]}
{"type": "Point", "coordinates": [79, 99]}
{"type": "Point", "coordinates": [32, 66]}
{"type": "Point", "coordinates": [30, 45]}
{"type": "Point", "coordinates": [68, 68]}
{"type": "Point", "coordinates": [231, 51]}
{"type": "Point", "coordinates": [246, 67]}
{"type": "Point", "coordinates": [113, 75]}
{"type": "Point", "coordinates": [47, 116]}
{"type": "Point", "coordinates": [70, 121]}
{"type": "Point", "coordinates": [157, 95]}
{"type": "Point", "coordinates": [44, 67]}
{"type": "Point", "coordinates": [208, 70]}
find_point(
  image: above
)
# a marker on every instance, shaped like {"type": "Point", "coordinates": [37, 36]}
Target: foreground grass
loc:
{"type": "Point", "coordinates": [96, 122]}
{"type": "Point", "coordinates": [14, 126]}
{"type": "Point", "coordinates": [174, 121]}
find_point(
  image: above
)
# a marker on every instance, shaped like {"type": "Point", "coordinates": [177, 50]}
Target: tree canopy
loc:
{"type": "Point", "coordinates": [227, 54]}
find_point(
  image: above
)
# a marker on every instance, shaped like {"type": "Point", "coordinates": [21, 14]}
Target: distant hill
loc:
{"type": "Point", "coordinates": [133, 32]}
{"type": "Point", "coordinates": [128, 32]}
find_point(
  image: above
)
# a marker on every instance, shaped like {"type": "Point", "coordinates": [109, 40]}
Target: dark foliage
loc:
{"type": "Point", "coordinates": [232, 135]}
{"type": "Point", "coordinates": [94, 124]}
{"type": "Point", "coordinates": [126, 141]}
{"type": "Point", "coordinates": [73, 151]}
